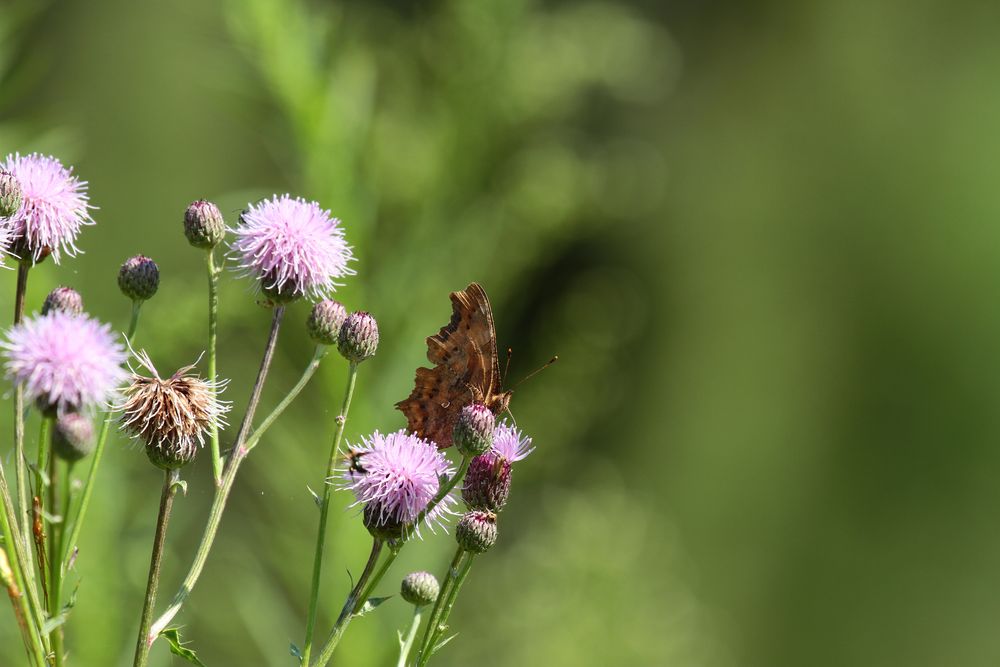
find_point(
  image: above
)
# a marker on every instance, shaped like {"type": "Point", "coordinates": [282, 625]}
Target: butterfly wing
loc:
{"type": "Point", "coordinates": [466, 368]}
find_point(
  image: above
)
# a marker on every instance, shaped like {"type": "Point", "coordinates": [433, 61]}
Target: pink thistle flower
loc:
{"type": "Point", "coordinates": [65, 361]}
{"type": "Point", "coordinates": [54, 209]}
{"type": "Point", "coordinates": [291, 247]}
{"type": "Point", "coordinates": [397, 475]}
{"type": "Point", "coordinates": [487, 482]}
{"type": "Point", "coordinates": [510, 444]}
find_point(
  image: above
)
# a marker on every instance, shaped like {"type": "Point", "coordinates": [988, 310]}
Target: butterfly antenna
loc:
{"type": "Point", "coordinates": [536, 372]}
{"type": "Point", "coordinates": [510, 353]}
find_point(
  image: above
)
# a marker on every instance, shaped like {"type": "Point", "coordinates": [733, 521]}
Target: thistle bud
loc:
{"type": "Point", "coordinates": [11, 195]}
{"type": "Point", "coordinates": [420, 588]}
{"type": "Point", "coordinates": [380, 524]}
{"type": "Point", "coordinates": [203, 224]}
{"type": "Point", "coordinates": [325, 321]}
{"type": "Point", "coordinates": [473, 433]}
{"type": "Point", "coordinates": [63, 300]}
{"type": "Point", "coordinates": [73, 437]}
{"type": "Point", "coordinates": [139, 278]}
{"type": "Point", "coordinates": [476, 531]}
{"type": "Point", "coordinates": [487, 483]}
{"type": "Point", "coordinates": [358, 338]}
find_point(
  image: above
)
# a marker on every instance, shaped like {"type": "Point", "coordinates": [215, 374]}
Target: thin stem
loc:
{"type": "Point", "coordinates": [377, 577]}
{"type": "Point", "coordinates": [324, 511]}
{"type": "Point", "coordinates": [88, 485]}
{"type": "Point", "coordinates": [432, 622]}
{"type": "Point", "coordinates": [20, 461]}
{"type": "Point", "coordinates": [350, 608]}
{"type": "Point", "coordinates": [26, 610]}
{"type": "Point", "coordinates": [240, 452]}
{"type": "Point", "coordinates": [404, 649]}
{"type": "Point", "coordinates": [142, 646]}
{"type": "Point", "coordinates": [213, 325]}
{"type": "Point", "coordinates": [45, 565]}
{"type": "Point", "coordinates": [307, 374]}
{"type": "Point", "coordinates": [55, 529]}
{"type": "Point", "coordinates": [442, 623]}
{"type": "Point", "coordinates": [20, 564]}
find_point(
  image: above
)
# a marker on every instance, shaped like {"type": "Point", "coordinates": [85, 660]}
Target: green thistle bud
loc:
{"type": "Point", "coordinates": [325, 321]}
{"type": "Point", "coordinates": [358, 338]}
{"type": "Point", "coordinates": [473, 432]}
{"type": "Point", "coordinates": [73, 437]}
{"type": "Point", "coordinates": [63, 300]}
{"type": "Point", "coordinates": [139, 278]}
{"type": "Point", "coordinates": [476, 531]}
{"type": "Point", "coordinates": [381, 525]}
{"type": "Point", "coordinates": [11, 195]}
{"type": "Point", "coordinates": [203, 224]}
{"type": "Point", "coordinates": [420, 588]}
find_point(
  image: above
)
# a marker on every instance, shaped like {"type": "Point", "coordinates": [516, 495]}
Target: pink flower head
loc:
{"type": "Point", "coordinates": [68, 362]}
{"type": "Point", "coordinates": [398, 475]}
{"type": "Point", "coordinates": [509, 443]}
{"type": "Point", "coordinates": [55, 205]}
{"type": "Point", "coordinates": [291, 246]}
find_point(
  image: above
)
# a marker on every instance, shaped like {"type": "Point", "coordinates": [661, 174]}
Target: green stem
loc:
{"type": "Point", "coordinates": [351, 606]}
{"type": "Point", "coordinates": [352, 374]}
{"type": "Point", "coordinates": [26, 608]}
{"type": "Point", "coordinates": [404, 649]}
{"type": "Point", "coordinates": [307, 374]}
{"type": "Point", "coordinates": [240, 451]}
{"type": "Point", "coordinates": [452, 596]}
{"type": "Point", "coordinates": [435, 618]}
{"type": "Point", "coordinates": [142, 645]}
{"type": "Point", "coordinates": [44, 497]}
{"type": "Point", "coordinates": [88, 485]}
{"type": "Point", "coordinates": [20, 459]}
{"type": "Point", "coordinates": [213, 325]}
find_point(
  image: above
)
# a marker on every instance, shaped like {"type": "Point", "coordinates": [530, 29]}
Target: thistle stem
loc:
{"type": "Point", "coordinates": [442, 622]}
{"type": "Point", "coordinates": [352, 374]}
{"type": "Point", "coordinates": [26, 609]}
{"type": "Point", "coordinates": [240, 452]}
{"type": "Point", "coordinates": [430, 632]}
{"type": "Point", "coordinates": [44, 457]}
{"type": "Point", "coordinates": [404, 649]}
{"type": "Point", "coordinates": [55, 529]}
{"type": "Point", "coordinates": [20, 460]}
{"type": "Point", "coordinates": [170, 479]}
{"type": "Point", "coordinates": [213, 325]}
{"type": "Point", "coordinates": [307, 374]}
{"type": "Point", "coordinates": [351, 606]}
{"type": "Point", "coordinates": [88, 485]}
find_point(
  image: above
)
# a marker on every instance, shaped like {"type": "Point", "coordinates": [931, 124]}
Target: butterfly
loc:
{"type": "Point", "coordinates": [466, 370]}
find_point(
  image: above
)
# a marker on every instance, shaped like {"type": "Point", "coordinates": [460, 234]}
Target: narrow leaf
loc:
{"type": "Point", "coordinates": [173, 637]}
{"type": "Point", "coordinates": [182, 486]}
{"type": "Point", "coordinates": [316, 498]}
{"type": "Point", "coordinates": [370, 605]}
{"type": "Point", "coordinates": [441, 643]}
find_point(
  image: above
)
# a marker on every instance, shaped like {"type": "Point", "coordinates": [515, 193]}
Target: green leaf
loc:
{"type": "Point", "coordinates": [181, 486]}
{"type": "Point", "coordinates": [294, 650]}
{"type": "Point", "coordinates": [370, 605]}
{"type": "Point", "coordinates": [316, 498]}
{"type": "Point", "coordinates": [441, 644]}
{"type": "Point", "coordinates": [173, 637]}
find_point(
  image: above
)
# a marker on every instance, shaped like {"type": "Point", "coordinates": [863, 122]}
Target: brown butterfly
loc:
{"type": "Point", "coordinates": [466, 370]}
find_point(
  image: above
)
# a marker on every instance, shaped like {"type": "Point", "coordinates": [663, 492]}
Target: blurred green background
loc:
{"type": "Point", "coordinates": [762, 237]}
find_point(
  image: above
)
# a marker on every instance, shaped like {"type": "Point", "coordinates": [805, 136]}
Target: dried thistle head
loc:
{"type": "Point", "coordinates": [170, 416]}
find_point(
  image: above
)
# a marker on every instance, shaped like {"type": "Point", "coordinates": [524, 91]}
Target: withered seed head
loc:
{"type": "Point", "coordinates": [170, 416]}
